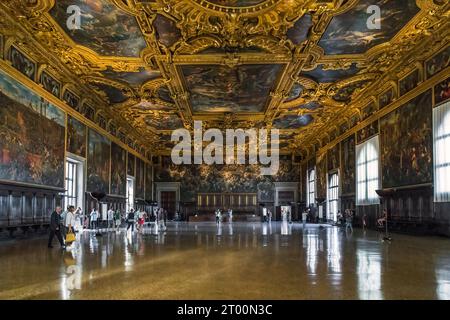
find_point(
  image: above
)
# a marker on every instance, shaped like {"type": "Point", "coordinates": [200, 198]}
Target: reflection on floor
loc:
{"type": "Point", "coordinates": [230, 261]}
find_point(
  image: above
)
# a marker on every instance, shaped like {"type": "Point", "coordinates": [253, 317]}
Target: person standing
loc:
{"type": "Point", "coordinates": [110, 216]}
{"type": "Point", "coordinates": [304, 217]}
{"type": "Point", "coordinates": [55, 228]}
{"type": "Point", "coordinates": [80, 216]}
{"type": "Point", "coordinates": [130, 220]}
{"type": "Point", "coordinates": [69, 223]}
{"type": "Point", "coordinates": [230, 215]}
{"type": "Point", "coordinates": [117, 219]}
{"type": "Point", "coordinates": [348, 220]}
{"type": "Point", "coordinates": [94, 218]}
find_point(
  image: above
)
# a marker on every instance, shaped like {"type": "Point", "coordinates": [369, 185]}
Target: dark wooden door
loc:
{"type": "Point", "coordinates": [168, 202]}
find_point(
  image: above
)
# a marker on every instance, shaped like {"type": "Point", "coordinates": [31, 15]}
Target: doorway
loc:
{"type": "Point", "coordinates": [169, 203]}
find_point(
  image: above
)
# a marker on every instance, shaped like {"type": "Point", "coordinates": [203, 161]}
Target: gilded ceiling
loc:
{"type": "Point", "coordinates": [306, 67]}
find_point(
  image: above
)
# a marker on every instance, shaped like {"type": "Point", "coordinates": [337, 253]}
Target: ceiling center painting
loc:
{"type": "Point", "coordinates": [218, 88]}
{"type": "Point", "coordinates": [236, 3]}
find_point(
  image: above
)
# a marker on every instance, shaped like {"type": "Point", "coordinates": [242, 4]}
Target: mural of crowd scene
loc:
{"type": "Point", "coordinates": [76, 137]}
{"type": "Point", "coordinates": [406, 143]}
{"type": "Point", "coordinates": [442, 91]}
{"type": "Point", "coordinates": [409, 82]}
{"type": "Point", "coordinates": [113, 94]}
{"type": "Point", "coordinates": [105, 29]}
{"type": "Point", "coordinates": [88, 112]}
{"type": "Point", "coordinates": [321, 177]}
{"type": "Point", "coordinates": [50, 84]}
{"type": "Point", "coordinates": [350, 32]}
{"type": "Point", "coordinates": [164, 94]}
{"type": "Point", "coordinates": [131, 165]}
{"type": "Point", "coordinates": [299, 32]}
{"type": "Point", "coordinates": [348, 165]}
{"type": "Point", "coordinates": [98, 162]}
{"type": "Point", "coordinates": [134, 79]}
{"type": "Point", "coordinates": [386, 98]}
{"type": "Point", "coordinates": [345, 94]}
{"type": "Point", "coordinates": [368, 111]}
{"type": "Point", "coordinates": [32, 133]}
{"type": "Point", "coordinates": [293, 121]}
{"type": "Point", "coordinates": [167, 32]}
{"type": "Point", "coordinates": [148, 182]}
{"type": "Point", "coordinates": [367, 132]}
{"type": "Point", "coordinates": [22, 63]}
{"type": "Point", "coordinates": [321, 75]}
{"type": "Point", "coordinates": [164, 121]}
{"type": "Point", "coordinates": [215, 88]}
{"type": "Point", "coordinates": [438, 63]}
{"type": "Point", "coordinates": [118, 170]}
{"type": "Point", "coordinates": [71, 99]}
{"type": "Point", "coordinates": [140, 178]}
{"type": "Point", "coordinates": [295, 93]}
{"type": "Point", "coordinates": [333, 157]}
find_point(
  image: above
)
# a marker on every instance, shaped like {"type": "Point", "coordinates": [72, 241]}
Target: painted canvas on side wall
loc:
{"type": "Point", "coordinates": [98, 162]}
{"type": "Point", "coordinates": [140, 178]}
{"type": "Point", "coordinates": [118, 170]}
{"type": "Point", "coordinates": [131, 164]}
{"type": "Point", "coordinates": [76, 137]}
{"type": "Point", "coordinates": [348, 165]}
{"type": "Point", "coordinates": [321, 176]}
{"type": "Point", "coordinates": [406, 143]}
{"type": "Point", "coordinates": [32, 133]}
{"type": "Point", "coordinates": [442, 91]}
{"type": "Point", "coordinates": [148, 182]}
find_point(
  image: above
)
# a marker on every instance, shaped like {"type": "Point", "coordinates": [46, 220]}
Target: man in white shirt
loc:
{"type": "Point", "coordinates": [94, 217]}
{"type": "Point", "coordinates": [69, 222]}
{"type": "Point", "coordinates": [110, 217]}
{"type": "Point", "coordinates": [304, 217]}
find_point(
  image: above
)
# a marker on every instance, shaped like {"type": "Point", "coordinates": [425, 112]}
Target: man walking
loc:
{"type": "Point", "coordinates": [55, 228]}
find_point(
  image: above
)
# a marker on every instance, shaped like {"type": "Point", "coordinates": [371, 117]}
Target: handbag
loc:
{"type": "Point", "coordinates": [70, 237]}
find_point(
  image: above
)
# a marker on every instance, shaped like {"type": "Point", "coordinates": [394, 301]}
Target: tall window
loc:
{"type": "Point", "coordinates": [367, 175]}
{"type": "Point", "coordinates": [441, 138]}
{"type": "Point", "coordinates": [130, 194]}
{"type": "Point", "coordinates": [74, 183]}
{"type": "Point", "coordinates": [311, 187]}
{"type": "Point", "coordinates": [333, 196]}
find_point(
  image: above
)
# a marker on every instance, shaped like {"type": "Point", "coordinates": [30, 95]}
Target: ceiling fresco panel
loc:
{"type": "Point", "coordinates": [299, 32]}
{"type": "Point", "coordinates": [134, 79]}
{"type": "Point", "coordinates": [327, 76]}
{"type": "Point", "coordinates": [236, 3]}
{"type": "Point", "coordinates": [293, 121]}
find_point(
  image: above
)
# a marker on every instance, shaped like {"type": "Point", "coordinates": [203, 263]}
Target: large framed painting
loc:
{"type": "Point", "coordinates": [140, 178]}
{"type": "Point", "coordinates": [32, 135]}
{"type": "Point", "coordinates": [367, 132]}
{"type": "Point", "coordinates": [368, 111]}
{"type": "Point", "coordinates": [50, 84]}
{"type": "Point", "coordinates": [406, 143]}
{"type": "Point", "coordinates": [118, 170]}
{"type": "Point", "coordinates": [333, 158]}
{"type": "Point", "coordinates": [321, 177]}
{"type": "Point", "coordinates": [71, 99]}
{"type": "Point", "coordinates": [409, 82]}
{"type": "Point", "coordinates": [442, 92]}
{"type": "Point", "coordinates": [386, 98]}
{"type": "Point", "coordinates": [89, 112]}
{"type": "Point", "coordinates": [76, 137]}
{"type": "Point", "coordinates": [437, 63]}
{"type": "Point", "coordinates": [98, 162]}
{"type": "Point", "coordinates": [131, 165]}
{"type": "Point", "coordinates": [149, 182]}
{"type": "Point", "coordinates": [22, 63]}
{"type": "Point", "coordinates": [348, 165]}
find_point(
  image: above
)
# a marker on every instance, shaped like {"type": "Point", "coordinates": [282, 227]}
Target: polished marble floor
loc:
{"type": "Point", "coordinates": [230, 261]}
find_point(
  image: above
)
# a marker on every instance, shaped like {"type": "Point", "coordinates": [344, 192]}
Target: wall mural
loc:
{"type": "Point", "coordinates": [166, 30]}
{"type": "Point", "coordinates": [71, 99]}
{"type": "Point", "coordinates": [32, 134]}
{"type": "Point", "coordinates": [299, 32]}
{"type": "Point", "coordinates": [224, 178]}
{"type": "Point", "coordinates": [333, 158]}
{"type": "Point", "coordinates": [367, 132]}
{"type": "Point", "coordinates": [438, 63]}
{"type": "Point", "coordinates": [118, 170]}
{"type": "Point", "coordinates": [131, 165]}
{"type": "Point", "coordinates": [148, 182]}
{"type": "Point", "coordinates": [140, 178]}
{"type": "Point", "coordinates": [386, 98]}
{"type": "Point", "coordinates": [348, 33]}
{"type": "Point", "coordinates": [216, 88]}
{"type": "Point", "coordinates": [320, 75]}
{"type": "Point", "coordinates": [406, 143]}
{"type": "Point", "coordinates": [50, 84]}
{"type": "Point", "coordinates": [321, 177]}
{"type": "Point", "coordinates": [409, 82]}
{"type": "Point", "coordinates": [22, 63]}
{"type": "Point", "coordinates": [442, 91]}
{"type": "Point", "coordinates": [348, 165]}
{"type": "Point", "coordinates": [76, 137]}
{"type": "Point", "coordinates": [98, 162]}
{"type": "Point", "coordinates": [106, 29]}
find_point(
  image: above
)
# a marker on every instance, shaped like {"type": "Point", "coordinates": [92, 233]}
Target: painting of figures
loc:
{"type": "Point", "coordinates": [236, 3]}
{"type": "Point", "coordinates": [50, 84]}
{"type": "Point", "coordinates": [140, 178]}
{"type": "Point", "coordinates": [442, 91]}
{"type": "Point", "coordinates": [164, 121]}
{"type": "Point", "coordinates": [438, 63]}
{"type": "Point", "coordinates": [216, 88]}
{"type": "Point", "coordinates": [131, 164]}
{"type": "Point", "coordinates": [367, 132]}
{"type": "Point", "coordinates": [299, 32]}
{"type": "Point", "coordinates": [148, 182]}
{"type": "Point", "coordinates": [76, 137]}
{"type": "Point", "coordinates": [295, 93]}
{"type": "Point", "coordinates": [408, 83]}
{"type": "Point", "coordinates": [349, 33]}
{"type": "Point", "coordinates": [22, 63]}
{"type": "Point", "coordinates": [321, 75]}
{"type": "Point", "coordinates": [386, 98]}
{"type": "Point", "coordinates": [345, 94]}
{"type": "Point", "coordinates": [88, 112]}
{"type": "Point", "coordinates": [321, 176]}
{"type": "Point", "coordinates": [348, 165]}
{"type": "Point", "coordinates": [71, 99]}
{"type": "Point", "coordinates": [333, 158]}
{"type": "Point", "coordinates": [406, 143]}
{"type": "Point", "coordinates": [134, 79]}
{"type": "Point", "coordinates": [98, 163]}
{"type": "Point", "coordinates": [32, 133]}
{"type": "Point", "coordinates": [293, 121]}
{"type": "Point", "coordinates": [118, 170]}
{"type": "Point", "coordinates": [167, 32]}
{"type": "Point", "coordinates": [368, 111]}
{"type": "Point", "coordinates": [104, 28]}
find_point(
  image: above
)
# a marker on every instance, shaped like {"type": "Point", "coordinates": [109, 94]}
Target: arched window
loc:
{"type": "Point", "coordinates": [441, 138]}
{"type": "Point", "coordinates": [367, 172]}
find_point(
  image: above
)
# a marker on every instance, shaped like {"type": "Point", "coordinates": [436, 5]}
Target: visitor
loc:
{"type": "Point", "coordinates": [94, 218]}
{"type": "Point", "coordinates": [269, 214]}
{"type": "Point", "coordinates": [80, 217]}
{"type": "Point", "coordinates": [141, 217]}
{"type": "Point", "coordinates": [230, 215]}
{"type": "Point", "coordinates": [117, 219]}
{"type": "Point", "coordinates": [348, 220]}
{"type": "Point", "coordinates": [69, 223]}
{"type": "Point", "coordinates": [383, 219]}
{"type": "Point", "coordinates": [110, 217]}
{"type": "Point", "coordinates": [130, 220]}
{"type": "Point", "coordinates": [264, 215]}
{"type": "Point", "coordinates": [304, 217]}
{"type": "Point", "coordinates": [55, 228]}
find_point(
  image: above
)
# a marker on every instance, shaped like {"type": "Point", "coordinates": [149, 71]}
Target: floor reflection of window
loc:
{"type": "Point", "coordinates": [443, 284]}
{"type": "Point", "coordinates": [312, 250]}
{"type": "Point", "coordinates": [334, 252]}
{"type": "Point", "coordinates": [369, 275]}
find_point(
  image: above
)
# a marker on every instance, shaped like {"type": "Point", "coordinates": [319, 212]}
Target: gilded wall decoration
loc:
{"type": "Point", "coordinates": [438, 63]}
{"type": "Point", "coordinates": [98, 160]}
{"type": "Point", "coordinates": [409, 82]}
{"type": "Point", "coordinates": [442, 92]}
